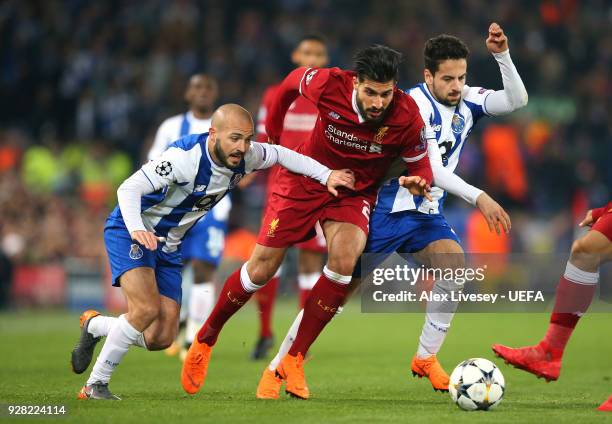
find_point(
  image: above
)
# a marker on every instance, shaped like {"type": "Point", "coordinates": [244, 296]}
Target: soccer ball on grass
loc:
{"type": "Point", "coordinates": [477, 384]}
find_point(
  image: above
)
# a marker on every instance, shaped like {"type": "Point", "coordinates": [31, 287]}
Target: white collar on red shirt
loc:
{"type": "Point", "coordinates": [355, 108]}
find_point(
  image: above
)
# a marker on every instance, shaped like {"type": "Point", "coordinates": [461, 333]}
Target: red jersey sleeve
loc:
{"type": "Point", "coordinates": [313, 83]}
{"type": "Point", "coordinates": [415, 152]}
{"type": "Point", "coordinates": [597, 213]}
{"type": "Point", "coordinates": [264, 107]}
{"type": "Point", "coordinates": [308, 82]}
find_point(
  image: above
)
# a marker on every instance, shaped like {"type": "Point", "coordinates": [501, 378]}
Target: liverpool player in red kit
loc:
{"type": "Point", "coordinates": [310, 52]}
{"type": "Point", "coordinates": [574, 294]}
{"type": "Point", "coordinates": [364, 123]}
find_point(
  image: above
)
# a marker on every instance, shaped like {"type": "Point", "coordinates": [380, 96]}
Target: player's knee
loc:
{"type": "Point", "coordinates": [343, 265]}
{"type": "Point", "coordinates": [159, 342]}
{"type": "Point", "coordinates": [445, 254]}
{"type": "Point", "coordinates": [582, 247]}
{"type": "Point", "coordinates": [448, 261]}
{"type": "Point", "coordinates": [165, 341]}
{"type": "Point", "coordinates": [260, 272]}
{"type": "Point", "coordinates": [147, 313]}
{"type": "Point", "coordinates": [585, 255]}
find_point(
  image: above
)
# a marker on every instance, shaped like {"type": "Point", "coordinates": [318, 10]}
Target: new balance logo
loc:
{"type": "Point", "coordinates": [333, 115]}
{"type": "Point", "coordinates": [375, 148]}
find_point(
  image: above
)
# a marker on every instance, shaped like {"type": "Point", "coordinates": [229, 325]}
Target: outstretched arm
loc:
{"type": "Point", "coordinates": [266, 155]}
{"type": "Point", "coordinates": [496, 217]}
{"type": "Point", "coordinates": [514, 95]}
{"type": "Point", "coordinates": [447, 180]}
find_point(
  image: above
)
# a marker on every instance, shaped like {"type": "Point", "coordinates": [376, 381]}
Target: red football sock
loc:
{"type": "Point", "coordinates": [320, 307]}
{"type": "Point", "coordinates": [233, 296]}
{"type": "Point", "coordinates": [265, 302]}
{"type": "Point", "coordinates": [304, 293]}
{"type": "Point", "coordinates": [572, 301]}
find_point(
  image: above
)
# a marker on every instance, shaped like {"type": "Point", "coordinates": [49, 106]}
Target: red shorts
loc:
{"type": "Point", "coordinates": [604, 224]}
{"type": "Point", "coordinates": [296, 203]}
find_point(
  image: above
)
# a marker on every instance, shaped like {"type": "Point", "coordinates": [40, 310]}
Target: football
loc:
{"type": "Point", "coordinates": [476, 384]}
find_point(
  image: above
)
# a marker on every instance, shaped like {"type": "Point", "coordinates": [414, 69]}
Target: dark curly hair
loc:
{"type": "Point", "coordinates": [377, 63]}
{"type": "Point", "coordinates": [443, 47]}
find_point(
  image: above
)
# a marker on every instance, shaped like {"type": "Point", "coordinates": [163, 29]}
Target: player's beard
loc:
{"type": "Point", "coordinates": [364, 112]}
{"type": "Point", "coordinates": [445, 100]}
{"type": "Point", "coordinates": [223, 157]}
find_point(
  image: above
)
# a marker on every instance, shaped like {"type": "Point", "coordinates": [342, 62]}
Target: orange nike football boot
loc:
{"type": "Point", "coordinates": [195, 366]}
{"type": "Point", "coordinates": [269, 385]}
{"type": "Point", "coordinates": [538, 360]}
{"type": "Point", "coordinates": [430, 367]}
{"type": "Point", "coordinates": [291, 369]}
{"type": "Point", "coordinates": [606, 406]}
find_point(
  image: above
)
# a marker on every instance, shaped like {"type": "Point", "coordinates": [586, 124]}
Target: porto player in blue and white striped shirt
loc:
{"type": "Point", "coordinates": [158, 205]}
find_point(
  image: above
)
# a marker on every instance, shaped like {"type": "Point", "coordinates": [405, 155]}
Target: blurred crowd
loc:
{"type": "Point", "coordinates": [84, 86]}
{"type": "Point", "coordinates": [54, 198]}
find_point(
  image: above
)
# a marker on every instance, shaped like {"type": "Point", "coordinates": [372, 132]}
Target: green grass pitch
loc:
{"type": "Point", "coordinates": [359, 372]}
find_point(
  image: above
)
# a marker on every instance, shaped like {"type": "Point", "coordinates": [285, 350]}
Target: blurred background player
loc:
{"type": "Point", "coordinates": [311, 51]}
{"type": "Point", "coordinates": [412, 224]}
{"type": "Point", "coordinates": [202, 248]}
{"type": "Point", "coordinates": [574, 295]}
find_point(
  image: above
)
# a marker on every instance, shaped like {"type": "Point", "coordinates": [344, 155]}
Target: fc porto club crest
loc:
{"type": "Point", "coordinates": [135, 251]}
{"type": "Point", "coordinates": [457, 123]}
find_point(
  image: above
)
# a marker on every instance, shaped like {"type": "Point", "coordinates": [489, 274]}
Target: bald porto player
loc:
{"type": "Point", "coordinates": [158, 205]}
{"type": "Point", "coordinates": [365, 122]}
{"type": "Point", "coordinates": [202, 247]}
